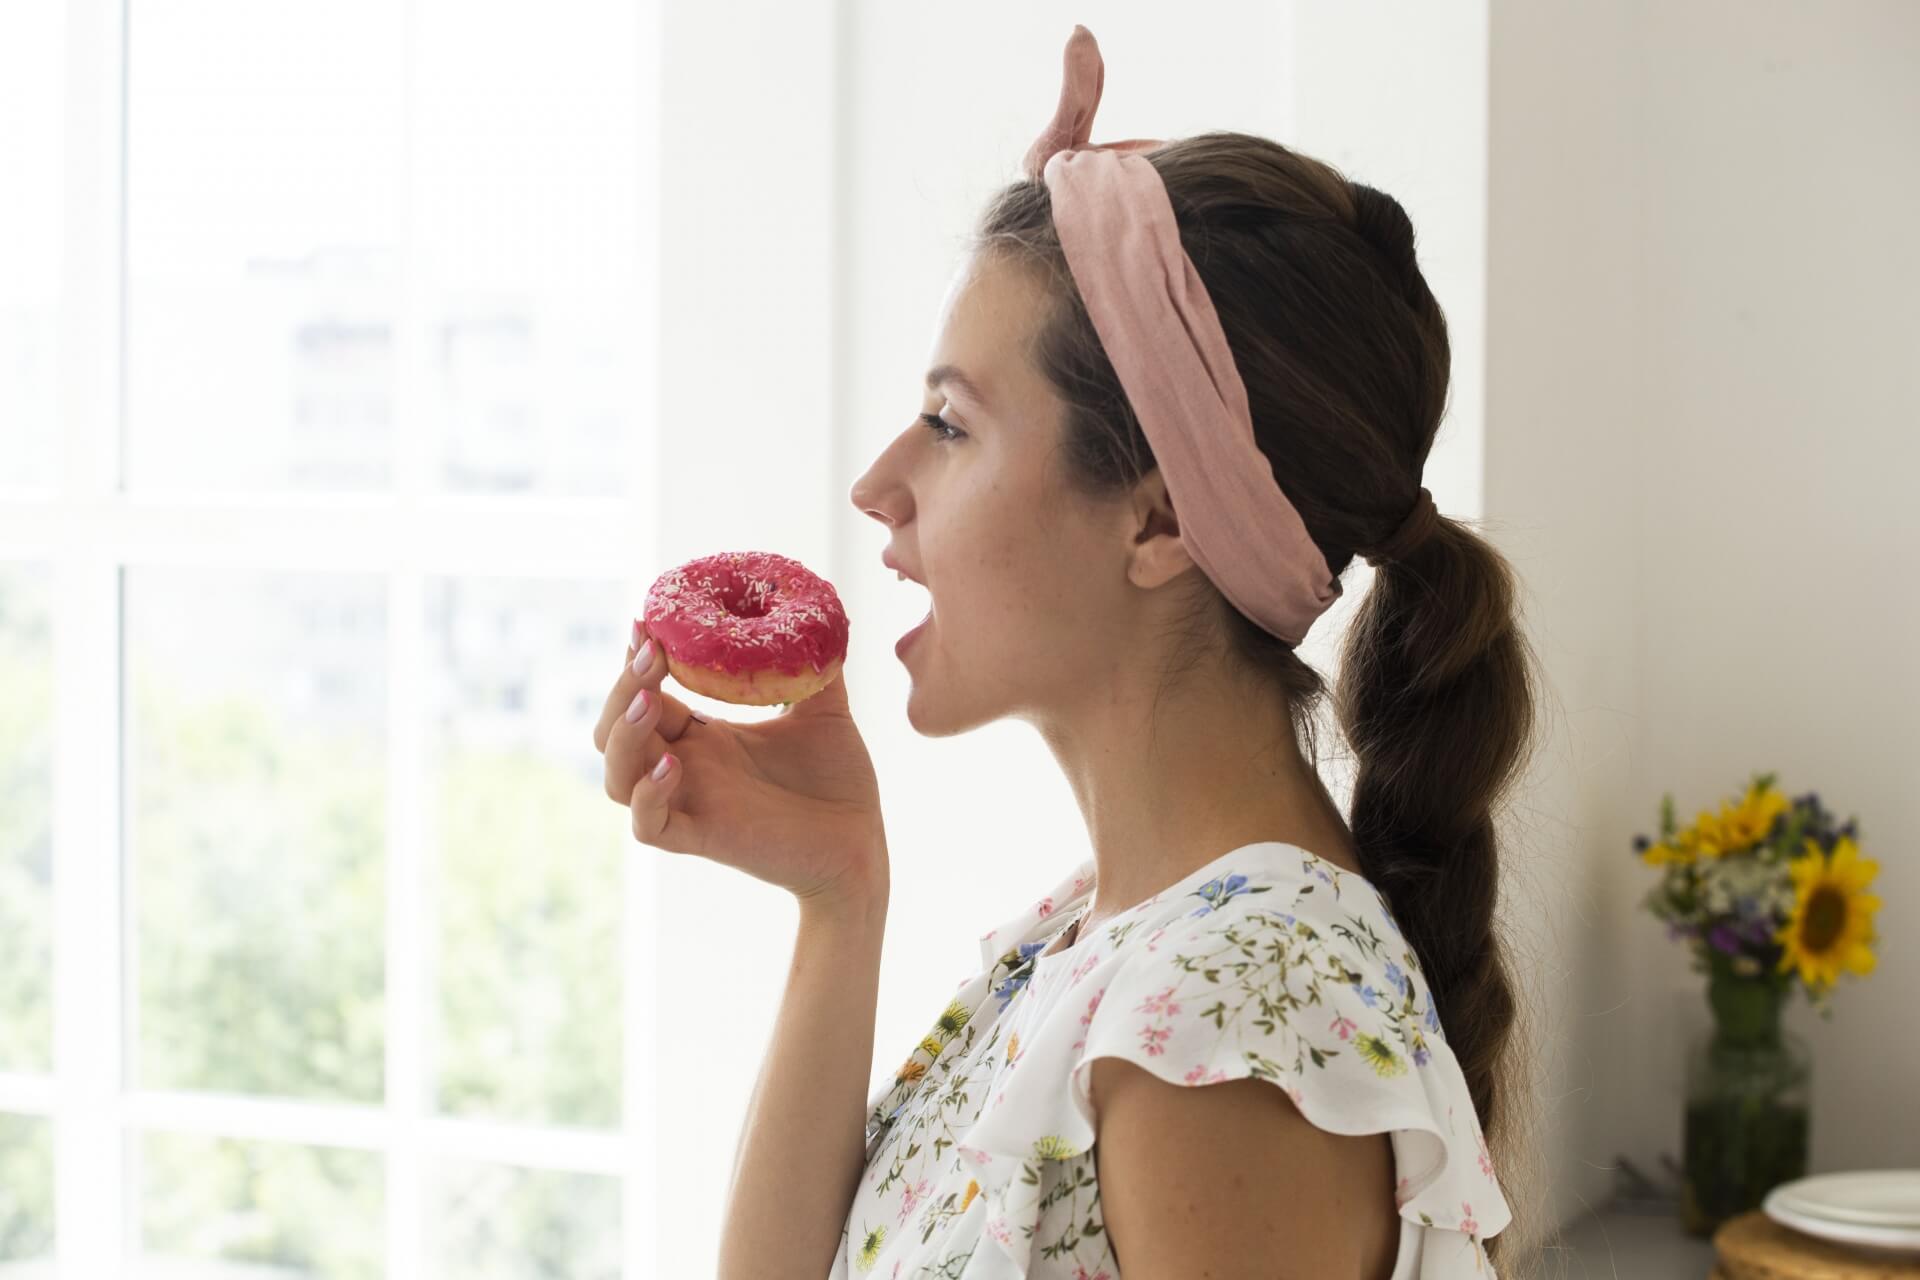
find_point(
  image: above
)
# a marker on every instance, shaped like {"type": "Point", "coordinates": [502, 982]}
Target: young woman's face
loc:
{"type": "Point", "coordinates": [1027, 583]}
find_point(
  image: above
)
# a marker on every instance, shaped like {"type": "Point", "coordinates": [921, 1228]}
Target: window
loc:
{"type": "Point", "coordinates": [313, 914]}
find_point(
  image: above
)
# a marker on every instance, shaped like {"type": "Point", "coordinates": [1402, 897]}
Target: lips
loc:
{"type": "Point", "coordinates": [886, 558]}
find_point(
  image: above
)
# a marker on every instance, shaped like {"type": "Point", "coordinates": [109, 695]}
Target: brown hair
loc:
{"type": "Point", "coordinates": [1344, 354]}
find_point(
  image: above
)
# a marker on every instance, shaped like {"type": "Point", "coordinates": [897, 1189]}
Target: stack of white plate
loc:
{"type": "Point", "coordinates": [1879, 1208]}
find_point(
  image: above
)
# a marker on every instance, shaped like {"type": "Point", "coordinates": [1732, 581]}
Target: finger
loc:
{"type": "Point", "coordinates": [655, 821]}
{"type": "Point", "coordinates": [675, 713]}
{"type": "Point", "coordinates": [633, 744]}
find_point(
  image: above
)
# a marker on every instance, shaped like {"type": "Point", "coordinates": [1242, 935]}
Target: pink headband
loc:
{"type": "Point", "coordinates": [1161, 333]}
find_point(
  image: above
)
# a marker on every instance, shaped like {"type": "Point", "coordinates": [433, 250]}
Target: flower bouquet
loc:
{"type": "Point", "coordinates": [1768, 893]}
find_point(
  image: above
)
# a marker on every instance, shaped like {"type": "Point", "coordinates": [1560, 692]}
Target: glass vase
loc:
{"type": "Point", "coordinates": [1748, 1089]}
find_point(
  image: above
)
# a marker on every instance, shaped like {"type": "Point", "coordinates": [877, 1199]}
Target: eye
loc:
{"type": "Point", "coordinates": [938, 425]}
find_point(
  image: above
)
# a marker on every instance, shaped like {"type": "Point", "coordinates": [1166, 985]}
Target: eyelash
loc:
{"type": "Point", "coordinates": [936, 424]}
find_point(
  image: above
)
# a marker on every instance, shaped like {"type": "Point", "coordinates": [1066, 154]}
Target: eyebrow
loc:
{"type": "Point", "coordinates": [951, 373]}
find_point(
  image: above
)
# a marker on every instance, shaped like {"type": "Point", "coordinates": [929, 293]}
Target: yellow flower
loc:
{"type": "Point", "coordinates": [949, 1023]}
{"type": "Point", "coordinates": [1832, 923]}
{"type": "Point", "coordinates": [932, 1046]}
{"type": "Point", "coordinates": [1659, 855]}
{"type": "Point", "coordinates": [1713, 835]}
{"type": "Point", "coordinates": [973, 1189]}
{"type": "Point", "coordinates": [1054, 1147]}
{"type": "Point", "coordinates": [1380, 1055]}
{"type": "Point", "coordinates": [870, 1246]}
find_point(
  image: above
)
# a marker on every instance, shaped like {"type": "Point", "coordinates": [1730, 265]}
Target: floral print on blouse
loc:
{"type": "Point", "coordinates": [1269, 962]}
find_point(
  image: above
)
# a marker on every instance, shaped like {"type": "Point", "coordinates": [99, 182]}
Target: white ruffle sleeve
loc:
{"type": "Point", "coordinates": [1292, 979]}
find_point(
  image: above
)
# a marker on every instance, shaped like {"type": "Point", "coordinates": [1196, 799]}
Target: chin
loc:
{"type": "Point", "coordinates": [931, 718]}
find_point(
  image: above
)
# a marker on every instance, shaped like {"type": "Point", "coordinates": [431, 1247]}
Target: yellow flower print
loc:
{"type": "Point", "coordinates": [1054, 1147]}
{"type": "Point", "coordinates": [973, 1189]}
{"type": "Point", "coordinates": [870, 1246]}
{"type": "Point", "coordinates": [932, 1046]}
{"type": "Point", "coordinates": [948, 1024]}
{"type": "Point", "coordinates": [1379, 1055]}
{"type": "Point", "coordinates": [1013, 1047]}
{"type": "Point", "coordinates": [910, 1070]}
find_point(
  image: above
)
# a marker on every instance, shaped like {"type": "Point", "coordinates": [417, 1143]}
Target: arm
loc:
{"type": "Point", "coordinates": [1230, 1180]}
{"type": "Point", "coordinates": [803, 1145]}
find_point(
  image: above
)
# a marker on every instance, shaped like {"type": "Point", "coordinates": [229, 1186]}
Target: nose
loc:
{"type": "Point", "coordinates": [872, 491]}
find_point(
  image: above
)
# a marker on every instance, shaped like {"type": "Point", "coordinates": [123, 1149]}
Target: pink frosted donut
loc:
{"type": "Point", "coordinates": [748, 626]}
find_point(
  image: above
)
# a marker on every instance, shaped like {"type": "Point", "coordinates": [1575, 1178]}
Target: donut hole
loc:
{"type": "Point", "coordinates": [747, 603]}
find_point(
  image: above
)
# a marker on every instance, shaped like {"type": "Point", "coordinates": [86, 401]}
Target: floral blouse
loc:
{"type": "Point", "coordinates": [1268, 962]}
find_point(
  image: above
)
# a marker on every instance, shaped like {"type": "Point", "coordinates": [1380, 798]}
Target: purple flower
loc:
{"type": "Point", "coordinates": [1676, 929]}
{"type": "Point", "coordinates": [1725, 938]}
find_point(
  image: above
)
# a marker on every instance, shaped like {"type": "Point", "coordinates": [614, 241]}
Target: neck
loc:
{"type": "Point", "coordinates": [1166, 790]}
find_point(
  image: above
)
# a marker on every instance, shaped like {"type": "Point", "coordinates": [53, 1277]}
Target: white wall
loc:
{"type": "Point", "coordinates": [1700, 425]}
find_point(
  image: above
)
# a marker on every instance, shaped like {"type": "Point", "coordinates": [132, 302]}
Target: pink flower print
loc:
{"type": "Point", "coordinates": [1400, 1192]}
{"type": "Point", "coordinates": [909, 1197]}
{"type": "Point", "coordinates": [1293, 1092]}
{"type": "Point", "coordinates": [997, 1228]}
{"type": "Point", "coordinates": [1080, 1273]}
{"type": "Point", "coordinates": [1345, 1026]}
{"type": "Point", "coordinates": [896, 1272]}
{"type": "Point", "coordinates": [1199, 1075]}
{"type": "Point", "coordinates": [1155, 937]}
{"type": "Point", "coordinates": [1045, 906]}
{"type": "Point", "coordinates": [1151, 1038]}
{"type": "Point", "coordinates": [1086, 967]}
{"type": "Point", "coordinates": [1486, 1161]}
{"type": "Point", "coordinates": [1467, 1224]}
{"type": "Point", "coordinates": [1093, 1007]}
{"type": "Point", "coordinates": [1162, 1004]}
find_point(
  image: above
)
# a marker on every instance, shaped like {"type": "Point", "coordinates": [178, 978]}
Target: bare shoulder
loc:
{"type": "Point", "coordinates": [1229, 1180]}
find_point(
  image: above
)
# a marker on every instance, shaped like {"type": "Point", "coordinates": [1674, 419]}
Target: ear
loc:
{"type": "Point", "coordinates": [1159, 556]}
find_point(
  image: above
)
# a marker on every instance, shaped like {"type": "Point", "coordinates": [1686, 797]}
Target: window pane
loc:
{"type": "Point", "coordinates": [290, 1211]}
{"type": "Point", "coordinates": [527, 160]}
{"type": "Point", "coordinates": [256, 741]}
{"type": "Point", "coordinates": [32, 156]}
{"type": "Point", "coordinates": [265, 190]}
{"type": "Point", "coordinates": [26, 1190]}
{"type": "Point", "coordinates": [278, 202]}
{"type": "Point", "coordinates": [529, 850]}
{"type": "Point", "coordinates": [497, 1223]}
{"type": "Point", "coordinates": [26, 829]}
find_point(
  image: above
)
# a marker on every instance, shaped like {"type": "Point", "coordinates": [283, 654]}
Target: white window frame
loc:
{"type": "Point", "coordinates": [88, 531]}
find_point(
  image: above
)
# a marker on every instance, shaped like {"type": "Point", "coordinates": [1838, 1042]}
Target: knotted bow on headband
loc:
{"type": "Point", "coordinates": [1160, 331]}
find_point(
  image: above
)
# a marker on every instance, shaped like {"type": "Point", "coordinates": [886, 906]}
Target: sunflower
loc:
{"type": "Point", "coordinates": [1733, 829]}
{"type": "Point", "coordinates": [1832, 923]}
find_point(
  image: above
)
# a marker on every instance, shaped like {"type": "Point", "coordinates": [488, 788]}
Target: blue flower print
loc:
{"type": "Point", "coordinates": [1420, 1055]}
{"type": "Point", "coordinates": [1433, 1017]}
{"type": "Point", "coordinates": [1397, 978]}
{"type": "Point", "coordinates": [1369, 995]}
{"type": "Point", "coordinates": [1220, 890]}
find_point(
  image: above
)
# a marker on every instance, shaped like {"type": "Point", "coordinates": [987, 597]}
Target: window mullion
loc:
{"type": "Point", "coordinates": [410, 905]}
{"type": "Point", "coordinates": [90, 1192]}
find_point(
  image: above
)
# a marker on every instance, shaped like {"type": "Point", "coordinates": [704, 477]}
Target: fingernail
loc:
{"type": "Point", "coordinates": [660, 770]}
{"type": "Point", "coordinates": [643, 659]}
{"type": "Point", "coordinates": [636, 633]}
{"type": "Point", "coordinates": [637, 707]}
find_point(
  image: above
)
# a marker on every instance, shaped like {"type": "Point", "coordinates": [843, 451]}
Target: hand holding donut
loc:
{"type": "Point", "coordinates": [792, 800]}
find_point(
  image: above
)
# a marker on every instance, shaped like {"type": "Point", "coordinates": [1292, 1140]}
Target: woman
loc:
{"type": "Point", "coordinates": [1247, 1037]}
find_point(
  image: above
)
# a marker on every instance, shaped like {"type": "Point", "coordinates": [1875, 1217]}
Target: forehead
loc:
{"type": "Point", "coordinates": [985, 328]}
